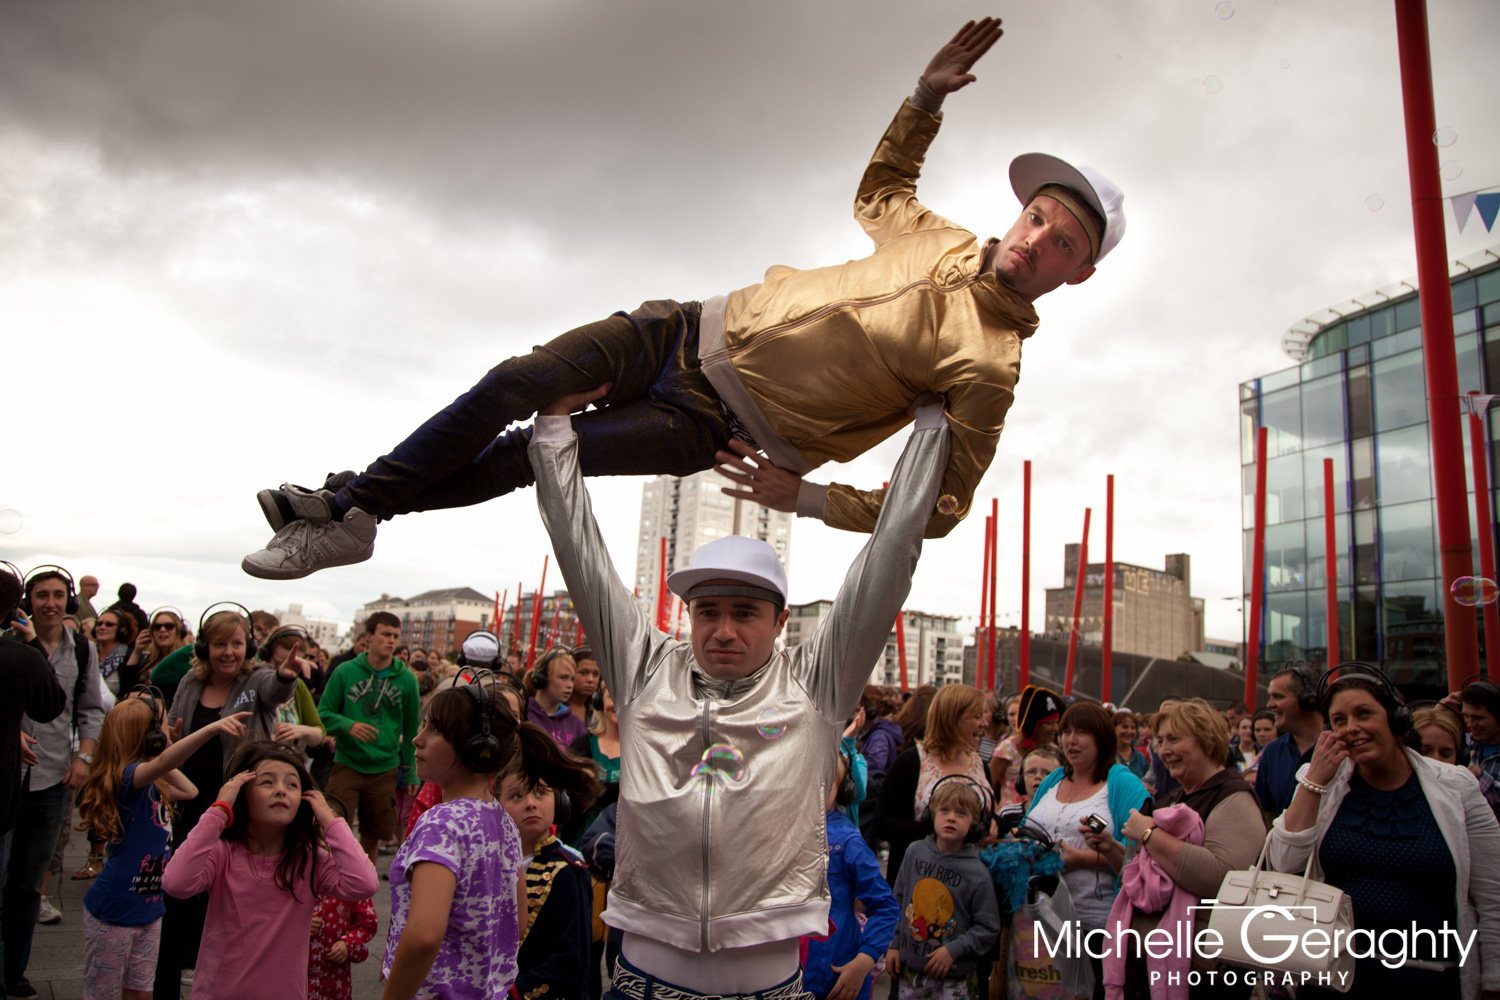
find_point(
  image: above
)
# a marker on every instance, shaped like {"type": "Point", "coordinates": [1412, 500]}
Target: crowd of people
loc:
{"type": "Point", "coordinates": [190, 759]}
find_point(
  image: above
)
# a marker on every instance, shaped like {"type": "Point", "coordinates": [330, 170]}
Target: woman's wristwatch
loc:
{"type": "Point", "coordinates": [1146, 837]}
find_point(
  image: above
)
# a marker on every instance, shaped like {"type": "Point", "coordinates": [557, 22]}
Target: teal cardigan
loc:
{"type": "Point", "coordinates": [1124, 792]}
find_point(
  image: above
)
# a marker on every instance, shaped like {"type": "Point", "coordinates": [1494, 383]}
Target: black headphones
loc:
{"type": "Point", "coordinates": [844, 797]}
{"type": "Point", "coordinates": [200, 641]}
{"type": "Point", "coordinates": [283, 632]}
{"type": "Point", "coordinates": [1021, 765]}
{"type": "Point", "coordinates": [1398, 714]}
{"type": "Point", "coordinates": [14, 571]}
{"type": "Point", "coordinates": [981, 823]}
{"type": "Point", "coordinates": [481, 751]}
{"type": "Point", "coordinates": [1310, 698]}
{"type": "Point", "coordinates": [537, 678]}
{"type": "Point", "coordinates": [71, 607]}
{"type": "Point", "coordinates": [154, 741]}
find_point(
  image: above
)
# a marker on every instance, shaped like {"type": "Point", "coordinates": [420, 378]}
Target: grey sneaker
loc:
{"type": "Point", "coordinates": [48, 914]}
{"type": "Point", "coordinates": [303, 547]}
{"type": "Point", "coordinates": [291, 502]}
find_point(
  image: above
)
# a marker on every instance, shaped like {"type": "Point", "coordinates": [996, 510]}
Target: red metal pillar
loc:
{"type": "Point", "coordinates": [1078, 577]}
{"type": "Point", "coordinates": [1456, 556]}
{"type": "Point", "coordinates": [1257, 570]}
{"type": "Point", "coordinates": [515, 632]}
{"type": "Point", "coordinates": [981, 648]}
{"type": "Point", "coordinates": [1485, 523]}
{"type": "Point", "coordinates": [1107, 665]}
{"type": "Point", "coordinates": [901, 647]}
{"type": "Point", "coordinates": [661, 587]}
{"type": "Point", "coordinates": [536, 614]}
{"type": "Point", "coordinates": [994, 536]}
{"type": "Point", "coordinates": [500, 603]}
{"type": "Point", "coordinates": [1330, 550]}
{"type": "Point", "coordinates": [1025, 651]}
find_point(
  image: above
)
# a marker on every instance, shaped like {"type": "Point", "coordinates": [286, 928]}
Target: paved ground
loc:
{"type": "Point", "coordinates": [57, 951]}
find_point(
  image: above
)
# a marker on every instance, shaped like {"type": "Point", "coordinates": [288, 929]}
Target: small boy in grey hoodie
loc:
{"type": "Point", "coordinates": [949, 916]}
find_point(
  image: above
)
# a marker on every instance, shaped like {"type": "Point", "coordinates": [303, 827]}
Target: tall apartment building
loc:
{"type": "Point", "coordinates": [1155, 613]}
{"type": "Point", "coordinates": [934, 652]}
{"type": "Point", "coordinates": [437, 619]}
{"type": "Point", "coordinates": [690, 510]}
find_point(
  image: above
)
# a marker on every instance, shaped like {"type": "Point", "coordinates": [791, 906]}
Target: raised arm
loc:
{"type": "Point", "coordinates": [618, 628]}
{"type": "Point", "coordinates": [835, 663]}
{"type": "Point", "coordinates": [886, 204]}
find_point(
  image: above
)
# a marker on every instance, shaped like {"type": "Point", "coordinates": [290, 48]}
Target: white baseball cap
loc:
{"type": "Point", "coordinates": [481, 648]}
{"type": "Point", "coordinates": [1031, 172]}
{"type": "Point", "coordinates": [749, 562]}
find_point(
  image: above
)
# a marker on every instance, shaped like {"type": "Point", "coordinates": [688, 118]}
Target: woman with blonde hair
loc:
{"type": "Point", "coordinates": [955, 720]}
{"type": "Point", "coordinates": [1441, 734]}
{"type": "Point", "coordinates": [164, 635]}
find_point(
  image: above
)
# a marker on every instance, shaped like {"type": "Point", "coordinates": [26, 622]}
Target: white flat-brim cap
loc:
{"type": "Point", "coordinates": [481, 648]}
{"type": "Point", "coordinates": [733, 557]}
{"type": "Point", "coordinates": [1030, 172]}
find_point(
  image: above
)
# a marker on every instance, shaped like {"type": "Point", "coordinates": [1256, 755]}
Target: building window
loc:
{"type": "Point", "coordinates": [1402, 466]}
{"type": "Point", "coordinates": [1406, 548]}
{"type": "Point", "coordinates": [1400, 391]}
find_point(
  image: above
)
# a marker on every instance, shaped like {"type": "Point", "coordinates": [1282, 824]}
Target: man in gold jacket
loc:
{"type": "Point", "coordinates": [769, 381]}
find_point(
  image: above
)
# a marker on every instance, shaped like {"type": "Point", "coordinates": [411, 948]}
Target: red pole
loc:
{"type": "Point", "coordinates": [981, 647]}
{"type": "Point", "coordinates": [1456, 556]}
{"type": "Point", "coordinates": [994, 535]}
{"type": "Point", "coordinates": [1330, 548]}
{"type": "Point", "coordinates": [536, 614]}
{"type": "Point", "coordinates": [1025, 651]}
{"type": "Point", "coordinates": [1257, 569]}
{"type": "Point", "coordinates": [661, 587]}
{"type": "Point", "coordinates": [1105, 688]}
{"type": "Point", "coordinates": [577, 632]}
{"type": "Point", "coordinates": [1486, 526]}
{"type": "Point", "coordinates": [901, 647]}
{"type": "Point", "coordinates": [500, 603]}
{"type": "Point", "coordinates": [677, 616]}
{"type": "Point", "coordinates": [552, 626]}
{"type": "Point", "coordinates": [1083, 565]}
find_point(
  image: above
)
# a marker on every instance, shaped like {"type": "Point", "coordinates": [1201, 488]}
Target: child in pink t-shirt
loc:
{"type": "Point", "coordinates": [266, 850]}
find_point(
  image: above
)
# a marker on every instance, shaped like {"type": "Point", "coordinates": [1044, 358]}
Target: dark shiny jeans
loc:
{"type": "Point", "coordinates": [39, 821]}
{"type": "Point", "coordinates": [662, 417]}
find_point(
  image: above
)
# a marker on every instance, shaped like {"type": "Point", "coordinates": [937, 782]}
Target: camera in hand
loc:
{"type": "Point", "coordinates": [1093, 822]}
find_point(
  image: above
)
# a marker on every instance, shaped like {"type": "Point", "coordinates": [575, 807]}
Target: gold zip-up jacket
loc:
{"type": "Point", "coordinates": [822, 364]}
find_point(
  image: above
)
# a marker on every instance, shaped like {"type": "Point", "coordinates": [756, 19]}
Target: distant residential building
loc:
{"type": "Point", "coordinates": [557, 623]}
{"type": "Point", "coordinates": [690, 510]}
{"type": "Point", "coordinates": [804, 620]}
{"type": "Point", "coordinates": [934, 652]}
{"type": "Point", "coordinates": [1155, 613]}
{"type": "Point", "coordinates": [436, 619]}
{"type": "Point", "coordinates": [1225, 647]}
{"type": "Point", "coordinates": [329, 635]}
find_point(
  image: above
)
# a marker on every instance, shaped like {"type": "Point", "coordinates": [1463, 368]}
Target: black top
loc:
{"type": "Point", "coordinates": [893, 813]}
{"type": "Point", "coordinates": [555, 954]}
{"type": "Point", "coordinates": [205, 769]}
{"type": "Point", "coordinates": [32, 691]}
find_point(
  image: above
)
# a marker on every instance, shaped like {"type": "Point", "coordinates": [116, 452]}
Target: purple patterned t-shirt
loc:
{"type": "Point", "coordinates": [476, 841]}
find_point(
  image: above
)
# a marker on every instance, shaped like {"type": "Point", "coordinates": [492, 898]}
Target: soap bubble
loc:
{"type": "Point", "coordinates": [1452, 170]}
{"type": "Point", "coordinates": [1472, 591]}
{"type": "Point", "coordinates": [770, 723]}
{"type": "Point", "coordinates": [10, 521]}
{"type": "Point", "coordinates": [1213, 84]}
{"type": "Point", "coordinates": [1445, 137]}
{"type": "Point", "coordinates": [947, 504]}
{"type": "Point", "coordinates": [1374, 203]}
{"type": "Point", "coordinates": [1118, 57]}
{"type": "Point", "coordinates": [721, 762]}
{"type": "Point", "coordinates": [1224, 11]}
{"type": "Point", "coordinates": [1285, 64]}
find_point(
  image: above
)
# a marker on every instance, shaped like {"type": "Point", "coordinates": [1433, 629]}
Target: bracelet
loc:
{"type": "Point", "coordinates": [227, 810]}
{"type": "Point", "coordinates": [1146, 837]}
{"type": "Point", "coordinates": [1312, 786]}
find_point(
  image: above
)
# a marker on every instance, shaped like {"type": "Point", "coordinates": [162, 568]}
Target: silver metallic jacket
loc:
{"type": "Point", "coordinates": [721, 842]}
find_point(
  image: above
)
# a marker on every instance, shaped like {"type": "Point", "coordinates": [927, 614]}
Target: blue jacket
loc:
{"type": "Point", "coordinates": [1124, 791]}
{"type": "Point", "coordinates": [853, 873]}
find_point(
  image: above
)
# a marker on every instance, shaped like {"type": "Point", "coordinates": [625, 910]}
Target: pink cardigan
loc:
{"type": "Point", "coordinates": [1146, 887]}
{"type": "Point", "coordinates": [255, 937]}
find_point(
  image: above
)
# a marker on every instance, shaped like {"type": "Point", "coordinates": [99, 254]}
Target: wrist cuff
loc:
{"type": "Point", "coordinates": [812, 498]}
{"type": "Point", "coordinates": [930, 417]}
{"type": "Point", "coordinates": [926, 99]}
{"type": "Point", "coordinates": [558, 427]}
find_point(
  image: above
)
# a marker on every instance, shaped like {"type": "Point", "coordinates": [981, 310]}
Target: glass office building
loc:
{"type": "Point", "coordinates": [1358, 396]}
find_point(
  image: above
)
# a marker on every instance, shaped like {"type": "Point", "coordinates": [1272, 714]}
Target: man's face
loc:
{"type": "Point", "coordinates": [1481, 723]}
{"type": "Point", "coordinates": [49, 602]}
{"type": "Point", "coordinates": [88, 587]}
{"type": "Point", "coordinates": [384, 639]}
{"type": "Point", "coordinates": [1047, 247]}
{"type": "Point", "coordinates": [1281, 699]}
{"type": "Point", "coordinates": [733, 637]}
{"type": "Point", "coordinates": [362, 642]}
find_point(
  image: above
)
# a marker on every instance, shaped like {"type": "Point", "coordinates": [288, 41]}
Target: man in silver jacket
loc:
{"type": "Point", "coordinates": [726, 745]}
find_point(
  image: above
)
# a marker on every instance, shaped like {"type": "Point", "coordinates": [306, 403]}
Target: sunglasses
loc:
{"type": "Point", "coordinates": [106, 624]}
{"type": "Point", "coordinates": [162, 627]}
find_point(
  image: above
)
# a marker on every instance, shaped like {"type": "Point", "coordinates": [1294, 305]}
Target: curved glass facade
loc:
{"type": "Point", "coordinates": [1361, 400]}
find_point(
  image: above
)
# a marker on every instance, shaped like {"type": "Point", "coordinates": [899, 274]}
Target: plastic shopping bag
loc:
{"type": "Point", "coordinates": [1050, 969]}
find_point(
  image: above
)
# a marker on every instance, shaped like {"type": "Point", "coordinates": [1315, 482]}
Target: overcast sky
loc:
{"type": "Point", "coordinates": [248, 243]}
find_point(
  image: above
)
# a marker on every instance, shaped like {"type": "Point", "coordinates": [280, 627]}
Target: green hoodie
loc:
{"type": "Point", "coordinates": [392, 704]}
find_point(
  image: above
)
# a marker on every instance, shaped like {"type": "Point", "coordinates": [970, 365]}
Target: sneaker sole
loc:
{"type": "Point", "coordinates": [275, 508]}
{"type": "Point", "coordinates": [261, 573]}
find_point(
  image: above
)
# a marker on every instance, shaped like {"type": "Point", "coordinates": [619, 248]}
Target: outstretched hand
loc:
{"type": "Point", "coordinates": [949, 69]}
{"type": "Point", "coordinates": [762, 482]}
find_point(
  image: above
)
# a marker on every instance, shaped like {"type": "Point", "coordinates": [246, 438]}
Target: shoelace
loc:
{"type": "Point", "coordinates": [283, 539]}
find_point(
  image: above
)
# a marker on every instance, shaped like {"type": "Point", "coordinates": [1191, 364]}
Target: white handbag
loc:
{"type": "Point", "coordinates": [1264, 918]}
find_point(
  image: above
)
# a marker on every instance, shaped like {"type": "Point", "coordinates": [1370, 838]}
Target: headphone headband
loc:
{"type": "Point", "coordinates": [200, 641]}
{"type": "Point", "coordinates": [1398, 713]}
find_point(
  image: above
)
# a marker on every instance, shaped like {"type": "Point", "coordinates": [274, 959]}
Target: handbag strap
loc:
{"type": "Point", "coordinates": [1260, 862]}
